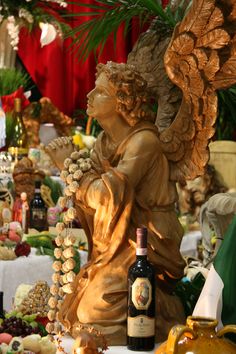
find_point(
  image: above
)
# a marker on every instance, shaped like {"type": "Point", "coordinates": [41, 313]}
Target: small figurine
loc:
{"type": "Point", "coordinates": [21, 211]}
{"type": "Point", "coordinates": [25, 212]}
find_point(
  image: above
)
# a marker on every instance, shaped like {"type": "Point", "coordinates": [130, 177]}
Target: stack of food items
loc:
{"type": "Point", "coordinates": [11, 245]}
{"type": "Point", "coordinates": [36, 301]}
{"type": "Point", "coordinates": [31, 344]}
{"type": "Point", "coordinates": [21, 330]}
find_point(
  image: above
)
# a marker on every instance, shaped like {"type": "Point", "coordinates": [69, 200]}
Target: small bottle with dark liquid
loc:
{"type": "Point", "coordinates": [38, 210]}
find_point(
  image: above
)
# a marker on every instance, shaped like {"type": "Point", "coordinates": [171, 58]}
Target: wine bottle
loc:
{"type": "Point", "coordinates": [1, 305]}
{"type": "Point", "coordinates": [18, 141]}
{"type": "Point", "coordinates": [141, 298]}
{"type": "Point", "coordinates": [38, 210]}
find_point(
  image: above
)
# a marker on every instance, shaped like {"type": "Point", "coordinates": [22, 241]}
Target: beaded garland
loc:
{"type": "Point", "coordinates": [63, 278]}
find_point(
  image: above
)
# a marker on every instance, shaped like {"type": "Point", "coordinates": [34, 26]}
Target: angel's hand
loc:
{"type": "Point", "coordinates": [59, 149]}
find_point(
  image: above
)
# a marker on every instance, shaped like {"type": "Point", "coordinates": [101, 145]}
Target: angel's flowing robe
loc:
{"type": "Point", "coordinates": [129, 187]}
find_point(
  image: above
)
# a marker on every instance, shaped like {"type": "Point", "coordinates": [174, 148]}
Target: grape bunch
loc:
{"type": "Point", "coordinates": [18, 327]}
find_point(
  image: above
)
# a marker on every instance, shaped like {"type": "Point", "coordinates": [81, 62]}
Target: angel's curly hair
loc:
{"type": "Point", "coordinates": [133, 97]}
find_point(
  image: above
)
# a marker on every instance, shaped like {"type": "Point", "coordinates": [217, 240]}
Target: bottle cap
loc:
{"type": "Point", "coordinates": [141, 234]}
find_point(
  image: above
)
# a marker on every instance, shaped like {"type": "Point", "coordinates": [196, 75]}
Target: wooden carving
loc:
{"type": "Point", "coordinates": [119, 193]}
{"type": "Point", "coordinates": [134, 166]}
{"type": "Point", "coordinates": [23, 176]}
{"type": "Point", "coordinates": [48, 113]}
{"type": "Point", "coordinates": [200, 59]}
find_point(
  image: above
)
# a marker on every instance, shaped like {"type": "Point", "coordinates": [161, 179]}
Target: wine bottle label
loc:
{"type": "Point", "coordinates": [39, 214]}
{"type": "Point", "coordinates": [141, 293]}
{"type": "Point", "coordinates": [140, 326]}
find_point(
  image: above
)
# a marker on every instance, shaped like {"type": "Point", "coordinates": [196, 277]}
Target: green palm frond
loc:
{"type": "Point", "coordinates": [11, 79]}
{"type": "Point", "coordinates": [106, 18]}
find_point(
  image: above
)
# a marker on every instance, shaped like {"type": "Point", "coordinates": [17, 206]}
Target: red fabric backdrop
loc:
{"type": "Point", "coordinates": [57, 72]}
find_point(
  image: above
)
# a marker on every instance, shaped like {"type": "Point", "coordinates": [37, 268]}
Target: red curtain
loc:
{"type": "Point", "coordinates": [57, 72]}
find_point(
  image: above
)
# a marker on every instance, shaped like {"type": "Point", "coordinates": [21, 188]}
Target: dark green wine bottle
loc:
{"type": "Point", "coordinates": [141, 298]}
{"type": "Point", "coordinates": [38, 210]}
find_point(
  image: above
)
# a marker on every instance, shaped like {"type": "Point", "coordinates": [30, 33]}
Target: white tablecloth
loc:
{"type": "Point", "coordinates": [26, 270]}
{"type": "Point", "coordinates": [67, 343]}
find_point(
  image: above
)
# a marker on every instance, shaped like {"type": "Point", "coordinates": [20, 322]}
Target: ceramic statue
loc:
{"type": "Point", "coordinates": [194, 193]}
{"type": "Point", "coordinates": [119, 194]}
{"type": "Point", "coordinates": [215, 216]}
{"type": "Point", "coordinates": [42, 112]}
{"type": "Point", "coordinates": [135, 165]}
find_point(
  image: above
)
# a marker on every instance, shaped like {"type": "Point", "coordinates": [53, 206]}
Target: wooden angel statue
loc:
{"type": "Point", "coordinates": [135, 166]}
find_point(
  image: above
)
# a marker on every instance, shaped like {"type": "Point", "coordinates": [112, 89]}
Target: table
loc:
{"type": "Point", "coordinates": [67, 343]}
{"type": "Point", "coordinates": [26, 270]}
{"type": "Point", "coordinates": [188, 248]}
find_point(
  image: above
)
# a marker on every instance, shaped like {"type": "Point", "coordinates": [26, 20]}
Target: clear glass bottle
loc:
{"type": "Point", "coordinates": [141, 298]}
{"type": "Point", "coordinates": [18, 142]}
{"type": "Point", "coordinates": [38, 210]}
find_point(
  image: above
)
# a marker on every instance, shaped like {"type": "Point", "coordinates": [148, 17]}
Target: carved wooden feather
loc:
{"type": "Point", "coordinates": [201, 58]}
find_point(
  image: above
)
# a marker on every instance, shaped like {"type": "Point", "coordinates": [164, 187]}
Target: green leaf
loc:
{"type": "Point", "coordinates": [43, 331]}
{"type": "Point", "coordinates": [42, 242]}
{"type": "Point", "coordinates": [92, 35]}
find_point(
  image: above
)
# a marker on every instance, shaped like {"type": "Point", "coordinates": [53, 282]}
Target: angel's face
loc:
{"type": "Point", "coordinates": [101, 100]}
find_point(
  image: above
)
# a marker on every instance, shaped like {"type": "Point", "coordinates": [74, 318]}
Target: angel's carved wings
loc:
{"type": "Point", "coordinates": [200, 59]}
